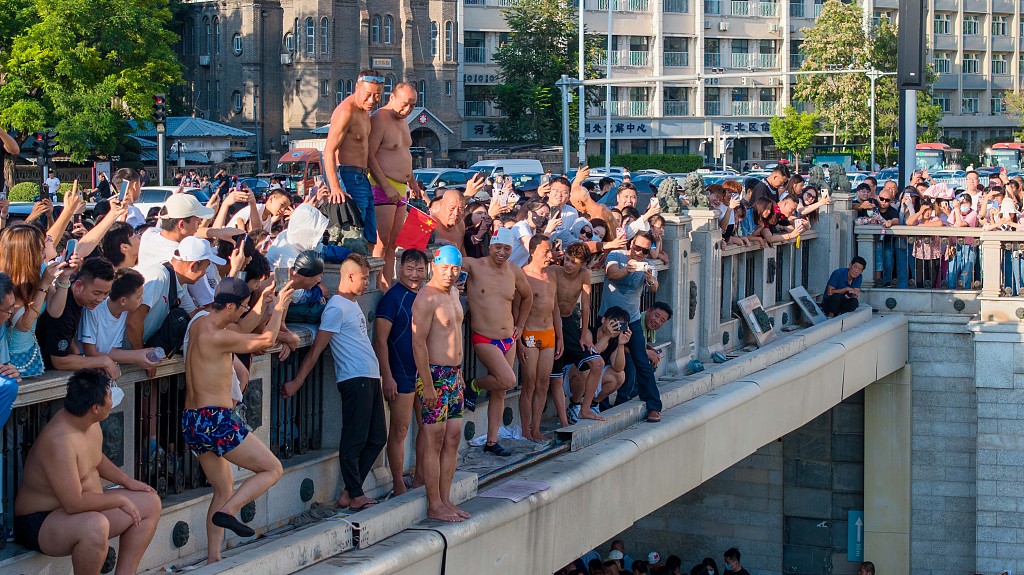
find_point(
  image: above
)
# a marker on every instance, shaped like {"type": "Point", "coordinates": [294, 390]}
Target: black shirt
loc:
{"type": "Point", "coordinates": [56, 335]}
{"type": "Point", "coordinates": [763, 190]}
{"type": "Point", "coordinates": [613, 344]}
{"type": "Point", "coordinates": [889, 213]}
{"type": "Point", "coordinates": [103, 190]}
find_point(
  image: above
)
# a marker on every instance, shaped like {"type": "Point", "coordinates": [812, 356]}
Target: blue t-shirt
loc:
{"type": "Point", "coordinates": [625, 292]}
{"type": "Point", "coordinates": [840, 279]}
{"type": "Point", "coordinates": [396, 307]}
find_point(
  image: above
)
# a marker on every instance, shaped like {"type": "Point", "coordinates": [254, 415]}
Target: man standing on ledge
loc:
{"type": "Point", "coordinates": [347, 149]}
{"type": "Point", "coordinates": [437, 347]}
{"type": "Point", "coordinates": [391, 174]}
{"type": "Point", "coordinates": [492, 286]}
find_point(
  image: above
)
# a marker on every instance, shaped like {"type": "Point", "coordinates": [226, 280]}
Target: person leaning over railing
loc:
{"type": "Point", "coordinates": [778, 222]}
{"type": "Point", "coordinates": [964, 252]}
{"type": "Point", "coordinates": [927, 250]}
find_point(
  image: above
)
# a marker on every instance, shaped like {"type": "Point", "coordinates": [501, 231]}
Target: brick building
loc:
{"type": "Point", "coordinates": [278, 68]}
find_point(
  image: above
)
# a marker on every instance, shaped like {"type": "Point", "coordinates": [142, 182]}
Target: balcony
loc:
{"type": "Point", "coordinates": [677, 59]}
{"type": "Point", "coordinates": [475, 55]}
{"type": "Point", "coordinates": [796, 9]}
{"type": "Point", "coordinates": [739, 8]}
{"type": "Point", "coordinates": [767, 60]}
{"type": "Point", "coordinates": [743, 60]}
{"type": "Point", "coordinates": [796, 61]}
{"type": "Point", "coordinates": [618, 5]}
{"type": "Point", "coordinates": [677, 6]}
{"type": "Point", "coordinates": [742, 108]}
{"type": "Point", "coordinates": [767, 108]}
{"type": "Point", "coordinates": [712, 60]}
{"type": "Point", "coordinates": [713, 7]}
{"type": "Point", "coordinates": [626, 58]}
{"type": "Point", "coordinates": [817, 10]}
{"type": "Point", "coordinates": [712, 108]}
{"type": "Point", "coordinates": [676, 108]}
{"type": "Point", "coordinates": [473, 2]}
{"type": "Point", "coordinates": [623, 109]}
{"type": "Point", "coordinates": [768, 9]}
{"type": "Point", "coordinates": [476, 109]}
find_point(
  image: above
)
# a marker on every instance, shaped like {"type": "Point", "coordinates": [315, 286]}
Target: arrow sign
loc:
{"type": "Point", "coordinates": [855, 536]}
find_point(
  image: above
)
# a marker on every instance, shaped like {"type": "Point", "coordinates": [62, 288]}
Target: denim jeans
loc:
{"type": "Point", "coordinates": [639, 372]}
{"type": "Point", "coordinates": [904, 262]}
{"type": "Point", "coordinates": [885, 249]}
{"type": "Point", "coordinates": [358, 186]}
{"type": "Point", "coordinates": [961, 267]}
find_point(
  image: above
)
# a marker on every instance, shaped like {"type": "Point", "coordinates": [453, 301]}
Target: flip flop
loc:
{"type": "Point", "coordinates": [366, 505]}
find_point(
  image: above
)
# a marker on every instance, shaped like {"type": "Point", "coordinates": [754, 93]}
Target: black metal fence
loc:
{"type": "Point", "coordinates": [162, 459]}
{"type": "Point", "coordinates": [296, 423]}
{"type": "Point", "coordinates": [19, 434]}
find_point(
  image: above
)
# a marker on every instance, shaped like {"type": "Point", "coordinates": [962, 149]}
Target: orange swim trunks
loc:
{"type": "Point", "coordinates": [541, 339]}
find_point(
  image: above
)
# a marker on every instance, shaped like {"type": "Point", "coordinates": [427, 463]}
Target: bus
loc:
{"type": "Point", "coordinates": [1005, 155]}
{"type": "Point", "coordinates": [937, 156]}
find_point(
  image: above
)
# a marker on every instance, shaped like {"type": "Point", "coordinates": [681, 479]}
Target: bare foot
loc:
{"type": "Point", "coordinates": [400, 488]}
{"type": "Point", "coordinates": [344, 500]}
{"type": "Point", "coordinates": [588, 414]}
{"type": "Point", "coordinates": [458, 510]}
{"type": "Point", "coordinates": [441, 512]}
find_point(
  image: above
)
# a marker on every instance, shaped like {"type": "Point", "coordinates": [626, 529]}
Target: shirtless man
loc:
{"type": "Point", "coordinates": [347, 149]}
{"type": "Point", "coordinates": [62, 508]}
{"type": "Point", "coordinates": [572, 279]}
{"type": "Point", "coordinates": [391, 172]}
{"type": "Point", "coordinates": [437, 348]}
{"type": "Point", "coordinates": [542, 339]}
{"type": "Point", "coordinates": [492, 286]}
{"type": "Point", "coordinates": [209, 424]}
{"type": "Point", "coordinates": [580, 199]}
{"type": "Point", "coordinates": [447, 212]}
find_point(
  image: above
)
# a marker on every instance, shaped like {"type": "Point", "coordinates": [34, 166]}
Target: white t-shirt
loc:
{"type": "Point", "coordinates": [155, 248]}
{"type": "Point", "coordinates": [245, 213]}
{"type": "Point", "coordinates": [135, 217]}
{"type": "Point", "coordinates": [100, 328]}
{"type": "Point", "coordinates": [350, 342]}
{"type": "Point", "coordinates": [236, 386]}
{"type": "Point", "coordinates": [154, 295]}
{"type": "Point", "coordinates": [520, 231]}
{"type": "Point", "coordinates": [53, 184]}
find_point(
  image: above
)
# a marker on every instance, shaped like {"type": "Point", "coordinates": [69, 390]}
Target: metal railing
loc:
{"type": "Point", "coordinates": [796, 9]}
{"type": "Point", "coordinates": [743, 60]}
{"type": "Point", "coordinates": [475, 54]}
{"type": "Point", "coordinates": [162, 459]}
{"type": "Point", "coordinates": [473, 2]}
{"type": "Point", "coordinates": [918, 257]}
{"type": "Point", "coordinates": [476, 109]}
{"type": "Point", "coordinates": [817, 10]}
{"type": "Point", "coordinates": [618, 5]}
{"type": "Point", "coordinates": [20, 432]}
{"type": "Point", "coordinates": [677, 59]}
{"type": "Point", "coordinates": [297, 423]}
{"type": "Point", "coordinates": [630, 58]}
{"type": "Point", "coordinates": [677, 6]}
{"type": "Point", "coordinates": [767, 108]}
{"type": "Point", "coordinates": [739, 8]}
{"type": "Point", "coordinates": [767, 60]}
{"type": "Point", "coordinates": [676, 108]}
{"type": "Point", "coordinates": [712, 108]}
{"type": "Point", "coordinates": [768, 9]}
{"type": "Point", "coordinates": [712, 59]}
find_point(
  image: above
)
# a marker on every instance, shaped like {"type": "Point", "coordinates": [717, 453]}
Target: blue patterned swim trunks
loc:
{"type": "Point", "coordinates": [212, 430]}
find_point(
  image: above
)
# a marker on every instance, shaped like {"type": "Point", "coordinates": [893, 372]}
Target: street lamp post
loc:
{"type": "Point", "coordinates": [873, 75]}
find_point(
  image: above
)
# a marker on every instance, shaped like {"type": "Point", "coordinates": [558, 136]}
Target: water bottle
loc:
{"type": "Point", "coordinates": [156, 354]}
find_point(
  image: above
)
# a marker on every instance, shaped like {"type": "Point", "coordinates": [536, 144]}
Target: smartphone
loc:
{"type": "Point", "coordinates": [124, 190]}
{"type": "Point", "coordinates": [319, 181]}
{"type": "Point", "coordinates": [620, 232]}
{"type": "Point", "coordinates": [69, 250]}
{"type": "Point", "coordinates": [545, 179]}
{"type": "Point", "coordinates": [463, 276]}
{"type": "Point", "coordinates": [654, 201]}
{"type": "Point", "coordinates": [513, 198]}
{"type": "Point", "coordinates": [280, 277]}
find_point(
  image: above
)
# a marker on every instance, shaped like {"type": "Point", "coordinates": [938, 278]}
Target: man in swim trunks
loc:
{"type": "Point", "coordinates": [62, 508]}
{"type": "Point", "coordinates": [391, 173]}
{"type": "Point", "coordinates": [437, 348]}
{"type": "Point", "coordinates": [347, 148]}
{"type": "Point", "coordinates": [542, 340]}
{"type": "Point", "coordinates": [572, 280]}
{"type": "Point", "coordinates": [491, 288]}
{"type": "Point", "coordinates": [392, 340]}
{"type": "Point", "coordinates": [209, 424]}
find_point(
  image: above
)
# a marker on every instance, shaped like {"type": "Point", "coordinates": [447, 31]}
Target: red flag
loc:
{"type": "Point", "coordinates": [416, 231]}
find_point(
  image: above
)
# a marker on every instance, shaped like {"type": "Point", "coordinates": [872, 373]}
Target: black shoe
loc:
{"type": "Point", "coordinates": [497, 449]}
{"type": "Point", "coordinates": [470, 395]}
{"type": "Point", "coordinates": [221, 519]}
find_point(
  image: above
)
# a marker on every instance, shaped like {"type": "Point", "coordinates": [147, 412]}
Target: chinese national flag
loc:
{"type": "Point", "coordinates": [416, 231]}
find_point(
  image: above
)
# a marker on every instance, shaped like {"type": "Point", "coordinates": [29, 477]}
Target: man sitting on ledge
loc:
{"type": "Point", "coordinates": [62, 508]}
{"type": "Point", "coordinates": [843, 288]}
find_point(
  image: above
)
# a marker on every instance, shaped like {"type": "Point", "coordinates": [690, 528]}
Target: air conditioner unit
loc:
{"type": "Point", "coordinates": [204, 60]}
{"type": "Point", "coordinates": [723, 26]}
{"type": "Point", "coordinates": [286, 59]}
{"type": "Point", "coordinates": [707, 24]}
{"type": "Point", "coordinates": [792, 27]}
{"type": "Point", "coordinates": [773, 28]}
{"type": "Point", "coordinates": [710, 81]}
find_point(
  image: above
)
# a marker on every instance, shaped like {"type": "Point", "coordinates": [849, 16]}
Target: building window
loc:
{"type": "Point", "coordinates": [209, 98]}
{"type": "Point", "coordinates": [941, 63]}
{"type": "Point", "coordinates": [289, 42]}
{"type": "Point", "coordinates": [188, 38]}
{"type": "Point", "coordinates": [941, 99]}
{"type": "Point", "coordinates": [997, 103]}
{"type": "Point", "coordinates": [389, 86]}
{"type": "Point", "coordinates": [236, 101]}
{"type": "Point", "coordinates": [970, 63]}
{"type": "Point", "coordinates": [389, 29]}
{"type": "Point", "coordinates": [325, 36]}
{"type": "Point", "coordinates": [434, 33]}
{"type": "Point", "coordinates": [349, 88]}
{"type": "Point", "coordinates": [999, 64]}
{"type": "Point", "coordinates": [325, 88]}
{"type": "Point", "coordinates": [310, 37]}
{"type": "Point", "coordinates": [206, 36]}
{"type": "Point", "coordinates": [216, 35]}
{"type": "Point", "coordinates": [943, 22]}
{"type": "Point", "coordinates": [421, 95]}
{"type": "Point", "coordinates": [971, 25]}
{"type": "Point", "coordinates": [448, 88]}
{"type": "Point", "coordinates": [339, 93]}
{"type": "Point", "coordinates": [999, 25]}
{"type": "Point", "coordinates": [215, 112]}
{"type": "Point", "coordinates": [969, 105]}
{"type": "Point", "coordinates": [375, 30]}
{"type": "Point", "coordinates": [449, 41]}
{"type": "Point", "coordinates": [236, 44]}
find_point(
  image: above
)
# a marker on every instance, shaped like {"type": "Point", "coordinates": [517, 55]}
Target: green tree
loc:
{"type": "Point", "coordinates": [794, 131]}
{"type": "Point", "coordinates": [836, 42]}
{"type": "Point", "coordinates": [542, 45]}
{"type": "Point", "coordinates": [82, 67]}
{"type": "Point", "coordinates": [1014, 105]}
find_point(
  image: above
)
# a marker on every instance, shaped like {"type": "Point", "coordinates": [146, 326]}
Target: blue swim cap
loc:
{"type": "Point", "coordinates": [448, 255]}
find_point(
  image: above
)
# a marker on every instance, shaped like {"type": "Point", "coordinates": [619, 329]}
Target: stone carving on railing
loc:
{"type": "Point", "coordinates": [668, 196]}
{"type": "Point", "coordinates": [840, 183]}
{"type": "Point", "coordinates": [816, 178]}
{"type": "Point", "coordinates": [693, 189]}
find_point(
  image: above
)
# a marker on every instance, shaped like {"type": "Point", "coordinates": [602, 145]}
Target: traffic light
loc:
{"type": "Point", "coordinates": [159, 108]}
{"type": "Point", "coordinates": [44, 145]}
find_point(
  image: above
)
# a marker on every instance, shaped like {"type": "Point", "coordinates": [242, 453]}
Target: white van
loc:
{"type": "Point", "coordinates": [510, 166]}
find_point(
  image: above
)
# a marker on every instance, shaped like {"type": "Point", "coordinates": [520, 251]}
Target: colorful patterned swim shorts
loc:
{"type": "Point", "coordinates": [212, 429]}
{"type": "Point", "coordinates": [450, 399]}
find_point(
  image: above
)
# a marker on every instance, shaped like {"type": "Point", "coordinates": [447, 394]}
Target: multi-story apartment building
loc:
{"type": "Point", "coordinates": [278, 68]}
{"type": "Point", "coordinates": [975, 46]}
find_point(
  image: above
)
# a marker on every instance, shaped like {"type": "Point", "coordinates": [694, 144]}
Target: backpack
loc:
{"type": "Point", "coordinates": [171, 334]}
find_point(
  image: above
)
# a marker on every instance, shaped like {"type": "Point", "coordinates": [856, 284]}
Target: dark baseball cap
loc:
{"type": "Point", "coordinates": [231, 290]}
{"type": "Point", "coordinates": [308, 264]}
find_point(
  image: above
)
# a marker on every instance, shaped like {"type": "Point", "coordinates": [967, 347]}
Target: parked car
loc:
{"type": "Point", "coordinates": [432, 178]}
{"type": "Point", "coordinates": [509, 166]}
{"type": "Point", "coordinates": [155, 197]}
{"type": "Point", "coordinates": [887, 175]}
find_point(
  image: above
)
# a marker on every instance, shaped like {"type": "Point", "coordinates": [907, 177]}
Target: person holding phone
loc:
{"type": "Point", "coordinates": [610, 337]}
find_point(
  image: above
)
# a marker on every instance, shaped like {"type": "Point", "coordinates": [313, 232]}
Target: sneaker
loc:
{"type": "Point", "coordinates": [572, 413]}
{"type": "Point", "coordinates": [470, 395]}
{"type": "Point", "coordinates": [497, 449]}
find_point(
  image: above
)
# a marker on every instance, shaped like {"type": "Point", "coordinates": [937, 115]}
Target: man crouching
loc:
{"type": "Point", "coordinates": [62, 508]}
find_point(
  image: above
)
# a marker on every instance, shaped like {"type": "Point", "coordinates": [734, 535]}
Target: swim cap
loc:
{"type": "Point", "coordinates": [448, 255]}
{"type": "Point", "coordinates": [502, 236]}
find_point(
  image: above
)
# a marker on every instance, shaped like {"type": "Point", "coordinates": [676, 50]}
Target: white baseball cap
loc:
{"type": "Point", "coordinates": [185, 206]}
{"type": "Point", "coordinates": [193, 249]}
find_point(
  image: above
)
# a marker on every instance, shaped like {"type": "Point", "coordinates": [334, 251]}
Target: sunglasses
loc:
{"type": "Point", "coordinates": [373, 79]}
{"type": "Point", "coordinates": [886, 200]}
{"type": "Point", "coordinates": [642, 250]}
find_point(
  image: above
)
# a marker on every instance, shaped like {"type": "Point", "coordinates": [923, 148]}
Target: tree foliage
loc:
{"type": "Point", "coordinates": [542, 45]}
{"type": "Point", "coordinates": [794, 131]}
{"type": "Point", "coordinates": [82, 67]}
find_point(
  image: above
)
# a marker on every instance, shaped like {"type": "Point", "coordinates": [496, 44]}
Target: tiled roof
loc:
{"type": "Point", "coordinates": [189, 127]}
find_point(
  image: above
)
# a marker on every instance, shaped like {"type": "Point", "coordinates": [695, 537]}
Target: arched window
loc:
{"type": "Point", "coordinates": [289, 42]}
{"type": "Point", "coordinates": [216, 35]}
{"type": "Point", "coordinates": [449, 41]}
{"type": "Point", "coordinates": [434, 33]}
{"type": "Point", "coordinates": [206, 36]}
{"type": "Point", "coordinates": [310, 37]}
{"type": "Point", "coordinates": [325, 36]}
{"type": "Point", "coordinates": [389, 29]}
{"type": "Point", "coordinates": [349, 88]}
{"type": "Point", "coordinates": [339, 93]}
{"type": "Point", "coordinates": [236, 101]}
{"type": "Point", "coordinates": [389, 86]}
{"type": "Point", "coordinates": [375, 30]}
{"type": "Point", "coordinates": [325, 88]}
{"type": "Point", "coordinates": [421, 96]}
{"type": "Point", "coordinates": [188, 37]}
{"type": "Point", "coordinates": [236, 44]}
{"type": "Point", "coordinates": [215, 112]}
